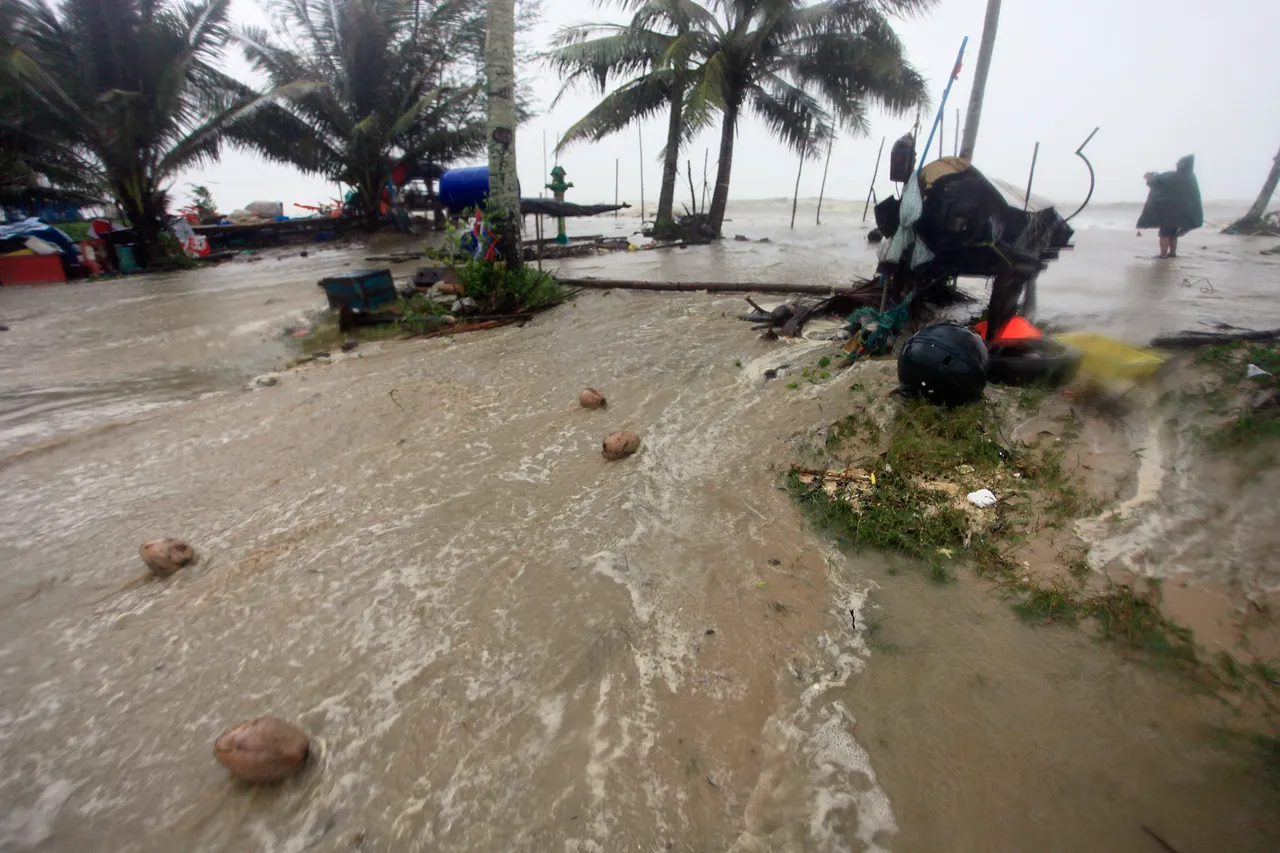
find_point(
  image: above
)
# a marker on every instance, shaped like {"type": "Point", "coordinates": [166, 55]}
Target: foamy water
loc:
{"type": "Point", "coordinates": [497, 640]}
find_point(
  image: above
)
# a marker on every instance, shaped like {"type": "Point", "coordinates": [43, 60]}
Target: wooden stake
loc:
{"type": "Point", "coordinates": [616, 167]}
{"type": "Point", "coordinates": [642, 217]}
{"type": "Point", "coordinates": [822, 192]}
{"type": "Point", "coordinates": [871, 191]}
{"type": "Point", "coordinates": [706, 157]}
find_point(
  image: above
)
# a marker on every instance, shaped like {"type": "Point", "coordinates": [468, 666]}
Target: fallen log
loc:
{"type": "Point", "coordinates": [710, 286]}
{"type": "Point", "coordinates": [1191, 340]}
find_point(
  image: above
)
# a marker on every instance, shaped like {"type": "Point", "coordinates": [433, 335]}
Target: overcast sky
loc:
{"type": "Point", "coordinates": [1162, 78]}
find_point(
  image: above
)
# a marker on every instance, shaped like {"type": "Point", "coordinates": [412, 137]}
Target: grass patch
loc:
{"type": "Point", "coordinates": [1244, 427]}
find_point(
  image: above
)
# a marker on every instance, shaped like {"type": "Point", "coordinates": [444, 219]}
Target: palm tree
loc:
{"type": "Point", "coordinates": [393, 69]}
{"type": "Point", "coordinates": [128, 90]}
{"type": "Point", "coordinates": [1253, 218]}
{"type": "Point", "coordinates": [802, 70]}
{"type": "Point", "coordinates": [504, 184]}
{"type": "Point", "coordinates": [656, 47]}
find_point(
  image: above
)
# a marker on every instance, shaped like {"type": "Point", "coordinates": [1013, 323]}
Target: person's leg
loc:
{"type": "Point", "coordinates": [1173, 246]}
{"type": "Point", "coordinates": [1164, 246]}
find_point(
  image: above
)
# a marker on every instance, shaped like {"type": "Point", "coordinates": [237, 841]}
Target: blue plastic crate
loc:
{"type": "Point", "coordinates": [360, 290]}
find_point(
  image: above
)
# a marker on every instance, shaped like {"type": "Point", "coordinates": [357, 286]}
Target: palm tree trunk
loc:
{"type": "Point", "coordinates": [1254, 216]}
{"type": "Point", "coordinates": [504, 184]}
{"type": "Point", "coordinates": [720, 198]}
{"type": "Point", "coordinates": [988, 46]}
{"type": "Point", "coordinates": [665, 221]}
{"type": "Point", "coordinates": [139, 206]}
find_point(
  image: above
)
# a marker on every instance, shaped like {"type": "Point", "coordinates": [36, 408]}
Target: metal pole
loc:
{"type": "Point", "coordinates": [989, 26]}
{"type": "Point", "coordinates": [823, 191]}
{"type": "Point", "coordinates": [542, 192]}
{"type": "Point", "coordinates": [1026, 202]}
{"type": "Point", "coordinates": [616, 167]}
{"type": "Point", "coordinates": [955, 72]}
{"type": "Point", "coordinates": [1080, 154]}
{"type": "Point", "coordinates": [795, 199]}
{"type": "Point", "coordinates": [871, 191]}
{"type": "Point", "coordinates": [640, 131]}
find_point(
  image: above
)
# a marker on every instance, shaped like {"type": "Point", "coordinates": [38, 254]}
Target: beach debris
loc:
{"type": "Point", "coordinates": [621, 444]}
{"type": "Point", "coordinates": [166, 555]}
{"type": "Point", "coordinates": [592, 399]}
{"type": "Point", "coordinates": [266, 380]}
{"type": "Point", "coordinates": [299, 333]}
{"type": "Point", "coordinates": [349, 344]}
{"type": "Point", "coordinates": [464, 306]}
{"type": "Point", "coordinates": [842, 484]}
{"type": "Point", "coordinates": [740, 238]}
{"type": "Point", "coordinates": [1253, 372]}
{"type": "Point", "coordinates": [448, 319]}
{"type": "Point", "coordinates": [448, 288]}
{"type": "Point", "coordinates": [982, 498]}
{"type": "Point", "coordinates": [266, 749]}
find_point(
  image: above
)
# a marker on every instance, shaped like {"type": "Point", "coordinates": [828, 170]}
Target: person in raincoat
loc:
{"type": "Point", "coordinates": [1173, 205]}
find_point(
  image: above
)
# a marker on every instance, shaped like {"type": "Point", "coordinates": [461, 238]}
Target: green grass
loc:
{"type": "Point", "coordinates": [1244, 428]}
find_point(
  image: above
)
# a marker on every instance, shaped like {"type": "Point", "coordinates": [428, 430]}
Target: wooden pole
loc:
{"type": "Point", "coordinates": [616, 172]}
{"type": "Point", "coordinates": [537, 227]}
{"type": "Point", "coordinates": [956, 135]}
{"type": "Point", "coordinates": [1026, 202]}
{"type": "Point", "coordinates": [871, 191]}
{"type": "Point", "coordinates": [642, 217]}
{"type": "Point", "coordinates": [804, 146]}
{"type": "Point", "coordinates": [710, 286]}
{"type": "Point", "coordinates": [823, 191]}
{"type": "Point", "coordinates": [542, 192]}
{"type": "Point", "coordinates": [706, 158]}
{"type": "Point", "coordinates": [988, 46]}
{"type": "Point", "coordinates": [693, 194]}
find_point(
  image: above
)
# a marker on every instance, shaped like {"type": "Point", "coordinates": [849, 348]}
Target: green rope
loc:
{"type": "Point", "coordinates": [875, 337]}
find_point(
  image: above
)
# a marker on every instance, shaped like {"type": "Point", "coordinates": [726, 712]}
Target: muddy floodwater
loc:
{"type": "Point", "coordinates": [498, 640]}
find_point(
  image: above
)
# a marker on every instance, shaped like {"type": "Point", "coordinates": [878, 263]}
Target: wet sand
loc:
{"type": "Point", "coordinates": [497, 639]}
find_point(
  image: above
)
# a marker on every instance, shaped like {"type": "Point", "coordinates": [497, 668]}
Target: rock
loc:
{"type": "Point", "coordinates": [621, 444]}
{"type": "Point", "coordinates": [266, 380]}
{"type": "Point", "coordinates": [303, 253]}
{"type": "Point", "coordinates": [464, 306]}
{"type": "Point", "coordinates": [165, 556]}
{"type": "Point", "coordinates": [592, 399]}
{"type": "Point", "coordinates": [349, 344]}
{"type": "Point", "coordinates": [3, 328]}
{"type": "Point", "coordinates": [740, 238]}
{"type": "Point", "coordinates": [263, 750]}
{"type": "Point", "coordinates": [874, 236]}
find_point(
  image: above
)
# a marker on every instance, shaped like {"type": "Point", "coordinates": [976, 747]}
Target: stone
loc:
{"type": "Point", "coordinates": [349, 344]}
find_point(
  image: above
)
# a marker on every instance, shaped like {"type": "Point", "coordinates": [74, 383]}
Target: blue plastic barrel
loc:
{"type": "Point", "coordinates": [464, 188]}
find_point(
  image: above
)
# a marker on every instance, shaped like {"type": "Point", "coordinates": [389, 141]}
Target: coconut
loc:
{"type": "Point", "coordinates": [165, 556]}
{"type": "Point", "coordinates": [592, 399]}
{"type": "Point", "coordinates": [621, 444]}
{"type": "Point", "coordinates": [263, 750]}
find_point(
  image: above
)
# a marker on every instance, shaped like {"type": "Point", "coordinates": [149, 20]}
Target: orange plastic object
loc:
{"type": "Point", "coordinates": [1017, 329]}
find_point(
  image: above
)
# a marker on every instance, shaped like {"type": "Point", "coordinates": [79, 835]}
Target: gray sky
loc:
{"type": "Point", "coordinates": [1162, 78]}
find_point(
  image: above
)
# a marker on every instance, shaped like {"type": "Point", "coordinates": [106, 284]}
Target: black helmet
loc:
{"type": "Point", "coordinates": [945, 363]}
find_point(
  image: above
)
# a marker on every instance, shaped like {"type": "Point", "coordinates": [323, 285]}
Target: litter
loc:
{"type": "Point", "coordinates": [1253, 371]}
{"type": "Point", "coordinates": [982, 498]}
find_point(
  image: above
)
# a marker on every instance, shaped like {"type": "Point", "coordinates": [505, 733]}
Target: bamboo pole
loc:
{"type": "Point", "coordinates": [871, 190]}
{"type": "Point", "coordinates": [823, 191]}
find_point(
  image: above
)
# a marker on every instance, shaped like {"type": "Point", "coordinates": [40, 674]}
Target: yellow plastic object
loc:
{"type": "Point", "coordinates": [1108, 359]}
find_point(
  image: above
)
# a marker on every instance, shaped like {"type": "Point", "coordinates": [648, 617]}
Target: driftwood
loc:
{"type": "Point", "coordinates": [1192, 339]}
{"type": "Point", "coordinates": [463, 327]}
{"type": "Point", "coordinates": [710, 286]}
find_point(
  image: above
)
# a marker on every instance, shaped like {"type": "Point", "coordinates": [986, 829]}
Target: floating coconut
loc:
{"type": "Point", "coordinates": [592, 399]}
{"type": "Point", "coordinates": [263, 750]}
{"type": "Point", "coordinates": [165, 556]}
{"type": "Point", "coordinates": [621, 444]}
